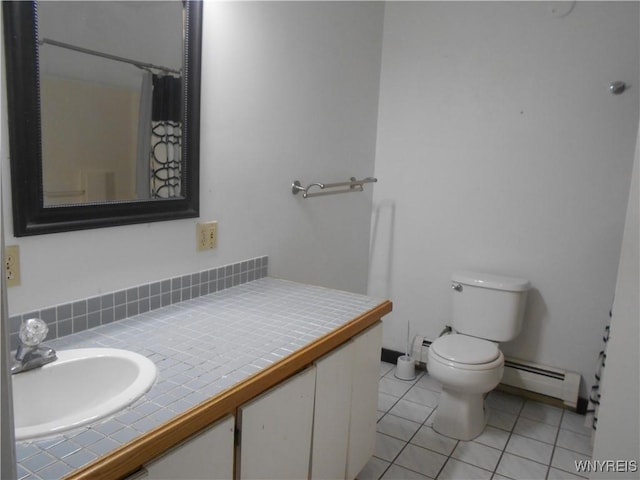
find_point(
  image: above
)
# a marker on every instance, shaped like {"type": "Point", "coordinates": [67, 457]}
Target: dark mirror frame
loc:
{"type": "Point", "coordinates": [30, 217]}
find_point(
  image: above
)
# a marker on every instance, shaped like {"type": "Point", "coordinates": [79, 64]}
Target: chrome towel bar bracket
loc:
{"type": "Point", "coordinates": [331, 188]}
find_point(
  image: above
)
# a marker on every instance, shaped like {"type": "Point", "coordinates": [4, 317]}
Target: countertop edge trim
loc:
{"type": "Point", "coordinates": [128, 458]}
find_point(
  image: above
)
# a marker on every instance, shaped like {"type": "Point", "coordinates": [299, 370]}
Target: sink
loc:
{"type": "Point", "coordinates": [80, 387]}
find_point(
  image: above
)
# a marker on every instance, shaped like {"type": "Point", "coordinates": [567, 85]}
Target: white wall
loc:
{"type": "Point", "coordinates": [618, 428]}
{"type": "Point", "coordinates": [289, 91]}
{"type": "Point", "coordinates": [500, 149]}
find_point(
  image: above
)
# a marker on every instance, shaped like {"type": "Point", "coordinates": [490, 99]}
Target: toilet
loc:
{"type": "Point", "coordinates": [487, 309]}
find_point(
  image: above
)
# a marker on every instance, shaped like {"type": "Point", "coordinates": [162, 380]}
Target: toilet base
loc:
{"type": "Point", "coordinates": [460, 415]}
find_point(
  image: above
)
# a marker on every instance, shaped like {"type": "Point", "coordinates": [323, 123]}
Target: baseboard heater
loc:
{"type": "Point", "coordinates": [552, 382]}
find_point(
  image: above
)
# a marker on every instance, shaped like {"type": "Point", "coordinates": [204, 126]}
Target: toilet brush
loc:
{"type": "Point", "coordinates": [405, 368]}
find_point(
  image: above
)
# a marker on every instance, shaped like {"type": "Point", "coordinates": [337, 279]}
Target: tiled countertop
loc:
{"type": "Point", "coordinates": [201, 347]}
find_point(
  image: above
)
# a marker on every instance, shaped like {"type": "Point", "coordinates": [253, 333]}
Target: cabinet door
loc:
{"type": "Point", "coordinates": [207, 456]}
{"type": "Point", "coordinates": [334, 375]}
{"type": "Point", "coordinates": [364, 399]}
{"type": "Point", "coordinates": [275, 431]}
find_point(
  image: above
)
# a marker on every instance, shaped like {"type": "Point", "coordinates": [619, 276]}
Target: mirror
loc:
{"type": "Point", "coordinates": [104, 106]}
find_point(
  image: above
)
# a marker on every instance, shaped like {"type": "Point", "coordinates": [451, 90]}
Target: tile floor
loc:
{"type": "Point", "coordinates": [524, 440]}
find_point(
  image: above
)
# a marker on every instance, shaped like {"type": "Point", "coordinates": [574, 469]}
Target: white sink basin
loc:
{"type": "Point", "coordinates": [80, 387]}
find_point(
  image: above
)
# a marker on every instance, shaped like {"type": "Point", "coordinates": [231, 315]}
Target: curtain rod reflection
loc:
{"type": "Point", "coordinates": [138, 64]}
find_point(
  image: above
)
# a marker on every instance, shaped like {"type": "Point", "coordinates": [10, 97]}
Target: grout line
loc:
{"type": "Point", "coordinates": [555, 443]}
{"type": "Point", "coordinates": [407, 442]}
{"type": "Point", "coordinates": [423, 424]}
{"type": "Point", "coordinates": [392, 462]}
{"type": "Point", "coordinates": [504, 449]}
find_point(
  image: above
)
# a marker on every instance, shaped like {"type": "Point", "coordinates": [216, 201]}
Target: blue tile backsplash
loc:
{"type": "Point", "coordinates": [92, 312]}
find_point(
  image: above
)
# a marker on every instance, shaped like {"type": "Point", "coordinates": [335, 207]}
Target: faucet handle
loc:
{"type": "Point", "coordinates": [32, 332]}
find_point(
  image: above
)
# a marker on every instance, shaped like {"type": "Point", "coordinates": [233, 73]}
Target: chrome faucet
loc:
{"type": "Point", "coordinates": [31, 353]}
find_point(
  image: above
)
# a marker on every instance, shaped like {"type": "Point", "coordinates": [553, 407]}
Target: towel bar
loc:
{"type": "Point", "coordinates": [352, 186]}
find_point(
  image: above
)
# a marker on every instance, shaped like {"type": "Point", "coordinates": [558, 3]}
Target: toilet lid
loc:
{"type": "Point", "coordinates": [464, 349]}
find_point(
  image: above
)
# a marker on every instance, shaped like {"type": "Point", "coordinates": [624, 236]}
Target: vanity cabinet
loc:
{"type": "Point", "coordinates": [275, 431]}
{"type": "Point", "coordinates": [334, 376]}
{"type": "Point", "coordinates": [319, 424]}
{"type": "Point", "coordinates": [311, 414]}
{"type": "Point", "coordinates": [206, 456]}
{"type": "Point", "coordinates": [364, 399]}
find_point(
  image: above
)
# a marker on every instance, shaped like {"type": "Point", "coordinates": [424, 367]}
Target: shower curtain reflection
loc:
{"type": "Point", "coordinates": [166, 137]}
{"type": "Point", "coordinates": [591, 420]}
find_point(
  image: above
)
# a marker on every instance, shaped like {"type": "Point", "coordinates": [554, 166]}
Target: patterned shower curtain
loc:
{"type": "Point", "coordinates": [591, 420]}
{"type": "Point", "coordinates": [166, 137]}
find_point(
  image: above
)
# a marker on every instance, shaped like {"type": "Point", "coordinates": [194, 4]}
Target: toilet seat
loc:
{"type": "Point", "coordinates": [465, 352]}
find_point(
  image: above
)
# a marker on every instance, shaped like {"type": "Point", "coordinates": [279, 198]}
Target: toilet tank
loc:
{"type": "Point", "coordinates": [488, 306]}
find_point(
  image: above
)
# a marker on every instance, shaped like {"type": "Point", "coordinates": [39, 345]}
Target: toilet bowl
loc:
{"type": "Point", "coordinates": [468, 368]}
{"type": "Point", "coordinates": [468, 363]}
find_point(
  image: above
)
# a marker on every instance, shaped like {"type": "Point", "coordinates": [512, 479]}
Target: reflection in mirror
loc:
{"type": "Point", "coordinates": [103, 101]}
{"type": "Point", "coordinates": [98, 90]}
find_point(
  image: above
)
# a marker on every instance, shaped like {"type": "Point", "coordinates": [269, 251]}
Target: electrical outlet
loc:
{"type": "Point", "coordinates": [12, 265]}
{"type": "Point", "coordinates": [206, 236]}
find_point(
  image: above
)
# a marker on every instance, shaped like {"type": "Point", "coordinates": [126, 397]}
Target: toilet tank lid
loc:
{"type": "Point", "coordinates": [488, 280]}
